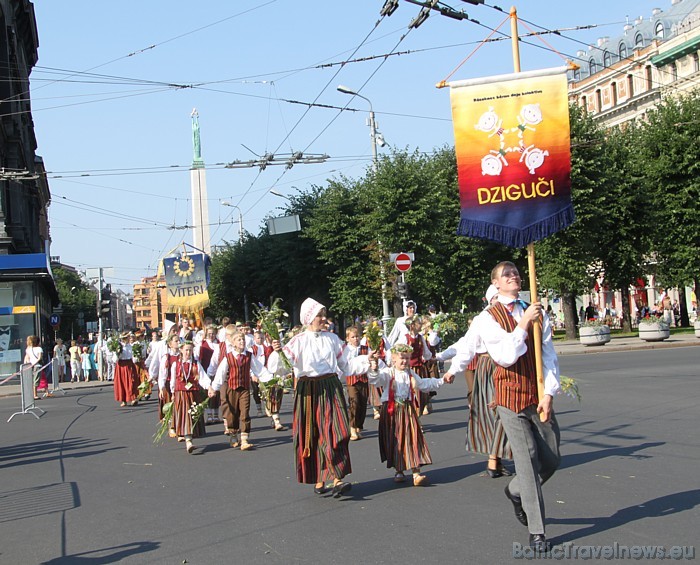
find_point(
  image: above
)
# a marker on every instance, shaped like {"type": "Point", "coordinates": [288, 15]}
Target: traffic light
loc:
{"type": "Point", "coordinates": [403, 289]}
{"type": "Point", "coordinates": [106, 301]}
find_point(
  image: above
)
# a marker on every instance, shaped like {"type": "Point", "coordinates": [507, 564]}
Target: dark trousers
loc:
{"type": "Point", "coordinates": [536, 456]}
{"type": "Point", "coordinates": [256, 392]}
{"type": "Point", "coordinates": [357, 404]}
{"type": "Point", "coordinates": [238, 401]}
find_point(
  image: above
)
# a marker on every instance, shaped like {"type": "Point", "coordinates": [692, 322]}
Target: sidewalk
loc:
{"type": "Point", "coordinates": [566, 347]}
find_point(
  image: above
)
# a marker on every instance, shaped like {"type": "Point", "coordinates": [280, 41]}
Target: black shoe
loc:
{"type": "Point", "coordinates": [320, 490]}
{"type": "Point", "coordinates": [539, 543]}
{"type": "Point", "coordinates": [504, 471]}
{"type": "Point", "coordinates": [518, 507]}
{"type": "Point", "coordinates": [494, 473]}
{"type": "Point", "coordinates": [340, 489]}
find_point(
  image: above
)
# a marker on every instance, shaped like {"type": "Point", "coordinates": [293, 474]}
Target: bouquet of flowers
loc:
{"type": "Point", "coordinates": [114, 344]}
{"type": "Point", "coordinates": [164, 424]}
{"type": "Point", "coordinates": [269, 320]}
{"type": "Point", "coordinates": [443, 324]}
{"type": "Point", "coordinates": [285, 383]}
{"type": "Point", "coordinates": [197, 409]}
{"type": "Point", "coordinates": [569, 387]}
{"type": "Point", "coordinates": [145, 388]}
{"type": "Point", "coordinates": [373, 334]}
{"type": "Point", "coordinates": [137, 351]}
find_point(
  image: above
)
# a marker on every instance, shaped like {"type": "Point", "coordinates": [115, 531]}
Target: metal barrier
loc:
{"type": "Point", "coordinates": [26, 378]}
{"type": "Point", "coordinates": [55, 379]}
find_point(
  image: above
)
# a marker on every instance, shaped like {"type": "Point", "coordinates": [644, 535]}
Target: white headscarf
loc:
{"type": "Point", "coordinates": [491, 291]}
{"type": "Point", "coordinates": [167, 325]}
{"type": "Point", "coordinates": [309, 309]}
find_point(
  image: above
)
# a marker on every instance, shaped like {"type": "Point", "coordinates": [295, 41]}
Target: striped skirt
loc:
{"type": "Point", "coordinates": [485, 433]}
{"type": "Point", "coordinates": [182, 420]}
{"type": "Point", "coordinates": [126, 383]}
{"type": "Point", "coordinates": [401, 441]}
{"type": "Point", "coordinates": [321, 430]}
{"type": "Point", "coordinates": [273, 402]}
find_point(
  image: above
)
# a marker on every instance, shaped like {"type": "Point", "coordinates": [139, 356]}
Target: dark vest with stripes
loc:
{"type": "Point", "coordinates": [515, 386]}
{"type": "Point", "coordinates": [238, 373]}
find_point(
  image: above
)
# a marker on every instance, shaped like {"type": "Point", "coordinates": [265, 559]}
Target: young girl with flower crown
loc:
{"type": "Point", "coordinates": [187, 386]}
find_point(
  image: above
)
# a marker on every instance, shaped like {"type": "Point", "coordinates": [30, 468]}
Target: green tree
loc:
{"type": "Point", "coordinates": [669, 155]}
{"type": "Point", "coordinates": [76, 297]}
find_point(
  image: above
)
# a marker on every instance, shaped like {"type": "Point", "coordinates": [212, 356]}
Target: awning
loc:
{"type": "Point", "coordinates": [676, 53]}
{"type": "Point", "coordinates": [29, 267]}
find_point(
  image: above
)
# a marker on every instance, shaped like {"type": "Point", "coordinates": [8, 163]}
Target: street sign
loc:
{"type": "Point", "coordinates": [55, 320]}
{"type": "Point", "coordinates": [403, 262]}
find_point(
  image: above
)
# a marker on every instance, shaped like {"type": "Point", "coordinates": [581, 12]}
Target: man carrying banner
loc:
{"type": "Point", "coordinates": [505, 328]}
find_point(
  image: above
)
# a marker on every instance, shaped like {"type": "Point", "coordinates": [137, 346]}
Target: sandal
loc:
{"type": "Point", "coordinates": [399, 477]}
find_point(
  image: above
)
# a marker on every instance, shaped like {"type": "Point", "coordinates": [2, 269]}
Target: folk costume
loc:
{"type": "Point", "coordinates": [401, 441]}
{"type": "Point", "coordinates": [203, 353]}
{"type": "Point", "coordinates": [126, 387]}
{"type": "Point", "coordinates": [274, 394]}
{"type": "Point", "coordinates": [187, 390]}
{"type": "Point", "coordinates": [168, 359]}
{"type": "Point", "coordinates": [358, 393]}
{"type": "Point", "coordinates": [421, 354]}
{"type": "Point", "coordinates": [234, 369]}
{"type": "Point", "coordinates": [375, 392]}
{"type": "Point", "coordinates": [321, 429]}
{"type": "Point", "coordinates": [535, 444]}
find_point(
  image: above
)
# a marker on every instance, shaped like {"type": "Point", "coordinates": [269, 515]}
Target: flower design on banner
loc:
{"type": "Point", "coordinates": [184, 266]}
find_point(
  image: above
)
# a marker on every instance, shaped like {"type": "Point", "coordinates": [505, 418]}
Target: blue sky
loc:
{"type": "Point", "coordinates": [112, 95]}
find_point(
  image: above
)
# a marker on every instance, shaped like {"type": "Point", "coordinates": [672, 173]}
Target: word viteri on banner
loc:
{"type": "Point", "coordinates": [513, 155]}
{"type": "Point", "coordinates": [186, 281]}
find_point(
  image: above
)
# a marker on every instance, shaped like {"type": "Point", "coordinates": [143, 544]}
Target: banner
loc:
{"type": "Point", "coordinates": [513, 156]}
{"type": "Point", "coordinates": [186, 282]}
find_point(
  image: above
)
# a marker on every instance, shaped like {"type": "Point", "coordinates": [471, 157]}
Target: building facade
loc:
{"type": "Point", "coordinates": [622, 77]}
{"type": "Point", "coordinates": [150, 303]}
{"type": "Point", "coordinates": [27, 289]}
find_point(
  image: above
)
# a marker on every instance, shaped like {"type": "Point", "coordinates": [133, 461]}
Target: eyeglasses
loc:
{"type": "Point", "coordinates": [510, 273]}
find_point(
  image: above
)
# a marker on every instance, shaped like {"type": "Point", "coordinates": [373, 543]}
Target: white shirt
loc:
{"type": "Point", "coordinates": [313, 354]}
{"type": "Point", "coordinates": [402, 382]}
{"type": "Point", "coordinates": [398, 330]}
{"type": "Point", "coordinates": [154, 357]}
{"type": "Point", "coordinates": [504, 347]}
{"type": "Point", "coordinates": [203, 379]}
{"type": "Point", "coordinates": [256, 368]}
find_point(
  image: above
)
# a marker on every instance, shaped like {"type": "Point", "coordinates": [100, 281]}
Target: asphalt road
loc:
{"type": "Point", "coordinates": [86, 485]}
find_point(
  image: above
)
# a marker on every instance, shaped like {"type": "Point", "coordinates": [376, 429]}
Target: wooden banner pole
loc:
{"type": "Point", "coordinates": [532, 272]}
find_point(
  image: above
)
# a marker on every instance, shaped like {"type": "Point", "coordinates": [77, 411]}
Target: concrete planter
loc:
{"type": "Point", "coordinates": [655, 331]}
{"type": "Point", "coordinates": [594, 335]}
{"type": "Point", "coordinates": [696, 325]}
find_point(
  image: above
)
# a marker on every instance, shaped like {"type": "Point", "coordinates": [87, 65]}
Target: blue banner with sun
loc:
{"type": "Point", "coordinates": [186, 282]}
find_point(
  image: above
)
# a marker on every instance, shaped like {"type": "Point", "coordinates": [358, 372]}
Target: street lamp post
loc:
{"type": "Point", "coordinates": [240, 242]}
{"type": "Point", "coordinates": [373, 135]}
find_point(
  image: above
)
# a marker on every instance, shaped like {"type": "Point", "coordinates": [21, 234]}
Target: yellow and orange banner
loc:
{"type": "Point", "coordinates": [512, 142]}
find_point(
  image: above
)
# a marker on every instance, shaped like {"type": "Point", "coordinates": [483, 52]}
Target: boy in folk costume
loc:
{"type": "Point", "coordinates": [235, 368]}
{"type": "Point", "coordinates": [421, 354]}
{"type": "Point", "coordinates": [168, 359]}
{"type": "Point", "coordinates": [203, 353]}
{"type": "Point", "coordinates": [375, 392]}
{"type": "Point", "coordinates": [505, 329]}
{"type": "Point", "coordinates": [187, 386]}
{"type": "Point", "coordinates": [259, 349]}
{"type": "Point", "coordinates": [358, 386]}
{"type": "Point", "coordinates": [321, 430]}
{"type": "Point", "coordinates": [401, 441]}
{"type": "Point", "coordinates": [275, 394]}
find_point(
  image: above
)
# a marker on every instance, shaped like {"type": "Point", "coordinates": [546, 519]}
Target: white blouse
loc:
{"type": "Point", "coordinates": [402, 382]}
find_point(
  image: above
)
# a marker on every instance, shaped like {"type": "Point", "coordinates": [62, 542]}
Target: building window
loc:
{"type": "Point", "coordinates": [674, 72]}
{"type": "Point", "coordinates": [638, 41]}
{"type": "Point", "coordinates": [622, 51]}
{"type": "Point", "coordinates": [598, 100]}
{"type": "Point", "coordinates": [650, 84]}
{"type": "Point", "coordinates": [613, 93]}
{"type": "Point", "coordinates": [696, 63]}
{"type": "Point", "coordinates": [659, 30]}
{"type": "Point", "coordinates": [584, 104]}
{"type": "Point", "coordinates": [577, 75]}
{"type": "Point", "coordinates": [591, 66]}
{"type": "Point", "coordinates": [630, 85]}
{"type": "Point", "coordinates": [607, 59]}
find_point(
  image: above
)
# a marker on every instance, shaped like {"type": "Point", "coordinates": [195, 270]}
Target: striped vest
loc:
{"type": "Point", "coordinates": [417, 356]}
{"type": "Point", "coordinates": [515, 386]}
{"type": "Point", "coordinates": [238, 373]}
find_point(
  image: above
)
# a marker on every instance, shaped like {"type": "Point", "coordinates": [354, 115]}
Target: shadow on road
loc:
{"type": "Point", "coordinates": [43, 451]}
{"type": "Point", "coordinates": [38, 501]}
{"type": "Point", "coordinates": [654, 508]}
{"type": "Point", "coordinates": [105, 555]}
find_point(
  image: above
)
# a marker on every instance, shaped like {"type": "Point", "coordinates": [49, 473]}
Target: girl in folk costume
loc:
{"type": "Point", "coordinates": [420, 354]}
{"type": "Point", "coordinates": [256, 345]}
{"type": "Point", "coordinates": [432, 340]}
{"type": "Point", "coordinates": [321, 430]}
{"type": "Point", "coordinates": [375, 392]}
{"type": "Point", "coordinates": [159, 349]}
{"type": "Point", "coordinates": [235, 369]}
{"type": "Point", "coordinates": [168, 359]}
{"type": "Point", "coordinates": [358, 385]}
{"type": "Point", "coordinates": [187, 390]}
{"type": "Point", "coordinates": [203, 353]}
{"type": "Point", "coordinates": [126, 387]}
{"type": "Point", "coordinates": [274, 394]}
{"type": "Point", "coordinates": [137, 348]}
{"type": "Point", "coordinates": [401, 441]}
